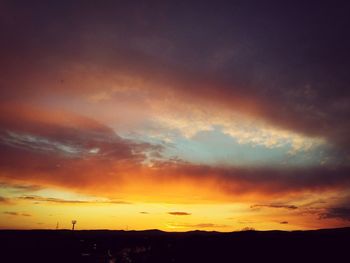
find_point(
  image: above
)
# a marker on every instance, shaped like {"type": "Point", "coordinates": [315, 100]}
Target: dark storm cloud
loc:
{"type": "Point", "coordinates": [342, 213]}
{"type": "Point", "coordinates": [273, 181]}
{"type": "Point", "coordinates": [340, 209]}
{"type": "Point", "coordinates": [287, 61]}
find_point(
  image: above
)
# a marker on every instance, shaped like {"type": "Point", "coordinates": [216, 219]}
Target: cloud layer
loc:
{"type": "Point", "coordinates": [65, 150]}
{"type": "Point", "coordinates": [305, 79]}
{"type": "Point", "coordinates": [178, 103]}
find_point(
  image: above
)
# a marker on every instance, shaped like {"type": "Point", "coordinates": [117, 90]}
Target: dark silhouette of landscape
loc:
{"type": "Point", "coordinates": [327, 245]}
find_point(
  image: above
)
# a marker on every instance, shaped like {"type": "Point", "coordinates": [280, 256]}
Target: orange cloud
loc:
{"type": "Point", "coordinates": [70, 151]}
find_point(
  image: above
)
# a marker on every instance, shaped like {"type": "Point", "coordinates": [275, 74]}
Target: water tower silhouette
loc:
{"type": "Point", "coordinates": [73, 223]}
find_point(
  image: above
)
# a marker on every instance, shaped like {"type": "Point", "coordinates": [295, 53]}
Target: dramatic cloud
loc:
{"type": "Point", "coordinates": [63, 149]}
{"type": "Point", "coordinates": [63, 134]}
{"type": "Point", "coordinates": [54, 148]}
{"type": "Point", "coordinates": [177, 103]}
{"type": "Point", "coordinates": [236, 180]}
{"type": "Point", "coordinates": [238, 67]}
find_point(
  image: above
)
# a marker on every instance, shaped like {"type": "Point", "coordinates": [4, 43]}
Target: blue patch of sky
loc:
{"type": "Point", "coordinates": [214, 147]}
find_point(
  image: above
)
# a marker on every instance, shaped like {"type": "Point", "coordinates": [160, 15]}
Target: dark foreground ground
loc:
{"type": "Point", "coordinates": [332, 245]}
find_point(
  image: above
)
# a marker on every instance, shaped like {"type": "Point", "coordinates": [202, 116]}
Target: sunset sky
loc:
{"type": "Point", "coordinates": [174, 115]}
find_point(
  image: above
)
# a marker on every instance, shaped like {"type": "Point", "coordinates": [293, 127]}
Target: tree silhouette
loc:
{"type": "Point", "coordinates": [73, 223]}
{"type": "Point", "coordinates": [248, 228]}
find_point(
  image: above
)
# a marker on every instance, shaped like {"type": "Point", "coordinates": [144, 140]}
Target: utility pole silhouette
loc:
{"type": "Point", "coordinates": [57, 226]}
{"type": "Point", "coordinates": [73, 223]}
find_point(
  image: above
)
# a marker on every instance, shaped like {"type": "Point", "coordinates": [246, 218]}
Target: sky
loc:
{"type": "Point", "coordinates": [174, 115]}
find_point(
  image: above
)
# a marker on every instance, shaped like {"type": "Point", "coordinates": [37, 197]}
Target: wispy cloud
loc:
{"type": "Point", "coordinates": [20, 187]}
{"type": "Point", "coordinates": [286, 206]}
{"type": "Point", "coordinates": [176, 213]}
{"type": "Point", "coordinates": [5, 200]}
{"type": "Point", "coordinates": [16, 213]}
{"type": "Point", "coordinates": [68, 201]}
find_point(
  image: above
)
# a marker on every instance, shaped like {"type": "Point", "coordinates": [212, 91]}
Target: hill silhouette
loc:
{"type": "Point", "coordinates": [327, 245]}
